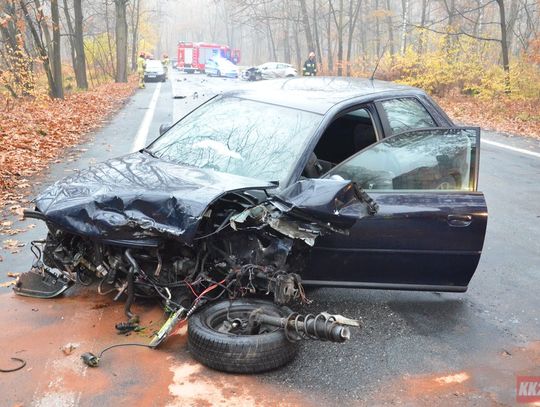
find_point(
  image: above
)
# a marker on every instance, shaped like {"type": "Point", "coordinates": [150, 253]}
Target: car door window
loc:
{"type": "Point", "coordinates": [426, 159]}
{"type": "Point", "coordinates": [406, 114]}
{"type": "Point", "coordinates": [350, 132]}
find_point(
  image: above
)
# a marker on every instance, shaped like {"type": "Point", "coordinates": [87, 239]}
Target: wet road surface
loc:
{"type": "Point", "coordinates": [412, 349]}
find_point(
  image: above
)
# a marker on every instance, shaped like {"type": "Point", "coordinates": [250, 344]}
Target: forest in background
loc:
{"type": "Point", "coordinates": [475, 47]}
{"type": "Point", "coordinates": [471, 47]}
{"type": "Point", "coordinates": [479, 58]}
{"type": "Point", "coordinates": [59, 46]}
{"type": "Point", "coordinates": [65, 64]}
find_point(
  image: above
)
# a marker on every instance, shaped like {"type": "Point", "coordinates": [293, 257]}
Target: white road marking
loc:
{"type": "Point", "coordinates": [516, 149]}
{"type": "Point", "coordinates": [142, 133]}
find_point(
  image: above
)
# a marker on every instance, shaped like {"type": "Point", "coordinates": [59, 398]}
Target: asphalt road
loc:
{"type": "Point", "coordinates": [412, 349]}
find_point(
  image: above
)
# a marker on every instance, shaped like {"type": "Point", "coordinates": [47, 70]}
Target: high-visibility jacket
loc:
{"type": "Point", "coordinates": [141, 64]}
{"type": "Point", "coordinates": [310, 68]}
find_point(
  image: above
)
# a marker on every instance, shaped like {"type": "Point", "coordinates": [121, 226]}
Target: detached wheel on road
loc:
{"type": "Point", "coordinates": [219, 337]}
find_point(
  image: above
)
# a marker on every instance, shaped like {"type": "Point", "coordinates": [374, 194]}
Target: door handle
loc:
{"type": "Point", "coordinates": [459, 221]}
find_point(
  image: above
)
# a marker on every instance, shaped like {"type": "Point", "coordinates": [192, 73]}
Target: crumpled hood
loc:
{"type": "Point", "coordinates": [137, 197]}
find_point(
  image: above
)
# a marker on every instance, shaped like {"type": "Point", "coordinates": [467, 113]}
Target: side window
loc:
{"type": "Point", "coordinates": [406, 114]}
{"type": "Point", "coordinates": [349, 133]}
{"type": "Point", "coordinates": [426, 159]}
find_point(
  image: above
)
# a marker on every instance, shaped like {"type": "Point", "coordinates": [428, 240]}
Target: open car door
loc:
{"type": "Point", "coordinates": [429, 229]}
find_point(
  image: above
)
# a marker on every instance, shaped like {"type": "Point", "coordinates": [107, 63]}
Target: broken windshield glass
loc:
{"type": "Point", "coordinates": [240, 137]}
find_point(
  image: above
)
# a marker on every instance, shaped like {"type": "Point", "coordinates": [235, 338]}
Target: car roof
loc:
{"type": "Point", "coordinates": [320, 94]}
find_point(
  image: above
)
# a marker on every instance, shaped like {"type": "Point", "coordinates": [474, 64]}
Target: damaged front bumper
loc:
{"type": "Point", "coordinates": [138, 226]}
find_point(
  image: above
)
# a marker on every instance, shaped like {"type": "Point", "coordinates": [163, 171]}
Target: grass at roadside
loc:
{"type": "Point", "coordinates": [35, 132]}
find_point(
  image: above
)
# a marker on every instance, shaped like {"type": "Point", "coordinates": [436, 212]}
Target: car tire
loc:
{"type": "Point", "coordinates": [238, 352]}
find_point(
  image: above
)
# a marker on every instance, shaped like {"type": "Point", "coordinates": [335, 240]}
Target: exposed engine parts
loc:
{"type": "Point", "coordinates": [242, 248]}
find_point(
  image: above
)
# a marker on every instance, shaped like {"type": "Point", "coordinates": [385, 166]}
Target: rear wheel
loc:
{"type": "Point", "coordinates": [219, 337]}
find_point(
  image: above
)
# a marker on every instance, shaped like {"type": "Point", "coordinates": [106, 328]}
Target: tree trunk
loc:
{"type": "Point", "coordinates": [377, 32]}
{"type": "Point", "coordinates": [58, 90]}
{"type": "Point", "coordinates": [41, 47]}
{"type": "Point", "coordinates": [135, 19]}
{"type": "Point", "coordinates": [353, 18]}
{"type": "Point", "coordinates": [80, 69]}
{"type": "Point", "coordinates": [44, 29]}
{"type": "Point", "coordinates": [70, 35]}
{"type": "Point", "coordinates": [329, 42]}
{"type": "Point", "coordinates": [339, 25]}
{"type": "Point", "coordinates": [298, 51]}
{"type": "Point", "coordinates": [307, 28]}
{"type": "Point", "coordinates": [286, 36]}
{"type": "Point", "coordinates": [422, 38]}
{"type": "Point", "coordinates": [390, 31]}
{"type": "Point", "coordinates": [504, 46]}
{"type": "Point", "coordinates": [121, 31]}
{"type": "Point", "coordinates": [316, 33]}
{"type": "Point", "coordinates": [405, 10]}
{"type": "Point", "coordinates": [111, 57]}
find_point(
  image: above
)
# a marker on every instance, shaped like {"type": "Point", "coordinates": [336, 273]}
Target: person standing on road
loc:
{"type": "Point", "coordinates": [310, 66]}
{"type": "Point", "coordinates": [165, 61]}
{"type": "Point", "coordinates": [141, 64]}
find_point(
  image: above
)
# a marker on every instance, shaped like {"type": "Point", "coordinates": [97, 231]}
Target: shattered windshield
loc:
{"type": "Point", "coordinates": [240, 137]}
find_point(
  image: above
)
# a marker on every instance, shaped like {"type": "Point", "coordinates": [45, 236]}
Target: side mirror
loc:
{"type": "Point", "coordinates": [164, 127]}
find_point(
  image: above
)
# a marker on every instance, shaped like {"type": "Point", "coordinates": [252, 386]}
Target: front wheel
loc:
{"type": "Point", "coordinates": [219, 337]}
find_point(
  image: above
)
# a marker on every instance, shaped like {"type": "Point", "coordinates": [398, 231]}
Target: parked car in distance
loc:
{"type": "Point", "coordinates": [218, 66]}
{"type": "Point", "coordinates": [154, 71]}
{"type": "Point", "coordinates": [270, 70]}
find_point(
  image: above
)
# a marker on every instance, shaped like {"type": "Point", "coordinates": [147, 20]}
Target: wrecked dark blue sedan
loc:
{"type": "Point", "coordinates": [260, 191]}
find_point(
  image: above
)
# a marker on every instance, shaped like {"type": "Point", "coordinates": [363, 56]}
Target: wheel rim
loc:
{"type": "Point", "coordinates": [234, 320]}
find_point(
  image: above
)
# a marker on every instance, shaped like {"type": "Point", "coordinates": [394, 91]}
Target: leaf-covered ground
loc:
{"type": "Point", "coordinates": [519, 117]}
{"type": "Point", "coordinates": [36, 132]}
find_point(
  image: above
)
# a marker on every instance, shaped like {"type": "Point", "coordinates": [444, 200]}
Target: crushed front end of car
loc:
{"type": "Point", "coordinates": [221, 250]}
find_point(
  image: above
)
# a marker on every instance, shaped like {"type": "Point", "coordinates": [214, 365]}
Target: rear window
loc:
{"type": "Point", "coordinates": [153, 64]}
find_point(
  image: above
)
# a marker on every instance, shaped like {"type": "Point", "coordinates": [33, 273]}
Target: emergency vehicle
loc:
{"type": "Point", "coordinates": [192, 56]}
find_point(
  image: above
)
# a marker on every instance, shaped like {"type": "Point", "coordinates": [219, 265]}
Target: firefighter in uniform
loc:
{"type": "Point", "coordinates": [141, 64]}
{"type": "Point", "coordinates": [165, 61]}
{"type": "Point", "coordinates": [310, 66]}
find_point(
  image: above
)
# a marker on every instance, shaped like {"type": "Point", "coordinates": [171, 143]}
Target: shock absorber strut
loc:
{"type": "Point", "coordinates": [322, 327]}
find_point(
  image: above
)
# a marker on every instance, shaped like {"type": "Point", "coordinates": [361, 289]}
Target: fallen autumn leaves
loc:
{"type": "Point", "coordinates": [35, 132]}
{"type": "Point", "coordinates": [520, 117]}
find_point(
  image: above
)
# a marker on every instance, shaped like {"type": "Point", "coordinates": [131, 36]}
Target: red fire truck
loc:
{"type": "Point", "coordinates": [193, 55]}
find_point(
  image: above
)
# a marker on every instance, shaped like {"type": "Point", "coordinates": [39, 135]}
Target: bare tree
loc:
{"type": "Point", "coordinates": [121, 31]}
{"type": "Point", "coordinates": [80, 57]}
{"type": "Point", "coordinates": [135, 14]}
{"type": "Point", "coordinates": [58, 89]}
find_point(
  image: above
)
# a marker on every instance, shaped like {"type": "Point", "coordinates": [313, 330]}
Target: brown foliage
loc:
{"type": "Point", "coordinates": [505, 115]}
{"type": "Point", "coordinates": [34, 132]}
